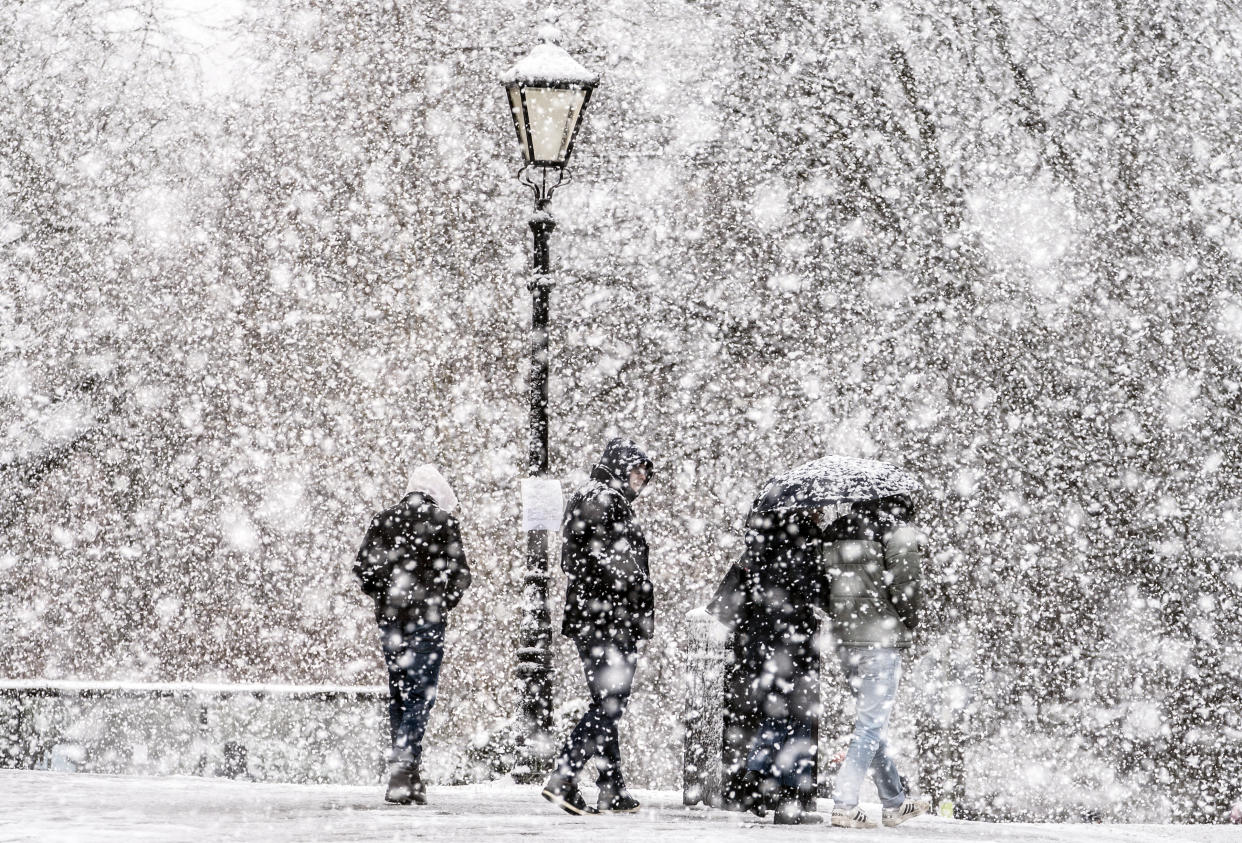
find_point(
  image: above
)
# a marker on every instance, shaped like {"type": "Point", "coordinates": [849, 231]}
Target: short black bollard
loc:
{"type": "Point", "coordinates": [235, 761]}
{"type": "Point", "coordinates": [703, 717]}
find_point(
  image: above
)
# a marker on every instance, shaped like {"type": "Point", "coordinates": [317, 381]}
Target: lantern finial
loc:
{"type": "Point", "coordinates": [548, 31]}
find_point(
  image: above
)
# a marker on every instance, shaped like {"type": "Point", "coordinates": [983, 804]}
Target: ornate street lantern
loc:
{"type": "Point", "coordinates": [548, 92]}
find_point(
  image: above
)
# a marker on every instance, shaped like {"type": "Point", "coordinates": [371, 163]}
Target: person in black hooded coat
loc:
{"type": "Point", "coordinates": [413, 566]}
{"type": "Point", "coordinates": [609, 608]}
{"type": "Point", "coordinates": [768, 599]}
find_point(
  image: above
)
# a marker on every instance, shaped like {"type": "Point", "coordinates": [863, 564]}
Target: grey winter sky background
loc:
{"type": "Point", "coordinates": [257, 259]}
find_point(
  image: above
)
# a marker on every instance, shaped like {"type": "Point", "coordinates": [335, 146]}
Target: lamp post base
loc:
{"type": "Point", "coordinates": [535, 744]}
{"type": "Point", "coordinates": [534, 758]}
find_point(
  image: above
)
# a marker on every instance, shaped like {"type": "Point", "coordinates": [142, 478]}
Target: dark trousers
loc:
{"type": "Point", "coordinates": [413, 653]}
{"type": "Point", "coordinates": [784, 751]}
{"type": "Point", "coordinates": [609, 667]}
{"type": "Point", "coordinates": [787, 686]}
{"type": "Point", "coordinates": [771, 713]}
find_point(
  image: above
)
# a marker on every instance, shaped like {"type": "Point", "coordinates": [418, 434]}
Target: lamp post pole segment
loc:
{"type": "Point", "coordinates": [534, 657]}
{"type": "Point", "coordinates": [548, 92]}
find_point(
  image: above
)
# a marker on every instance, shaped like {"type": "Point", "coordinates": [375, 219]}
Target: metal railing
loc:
{"type": "Point", "coordinates": [298, 733]}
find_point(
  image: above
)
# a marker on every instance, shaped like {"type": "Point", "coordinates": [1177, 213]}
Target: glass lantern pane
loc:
{"type": "Point", "coordinates": [519, 121]}
{"type": "Point", "coordinates": [571, 124]}
{"type": "Point", "coordinates": [553, 114]}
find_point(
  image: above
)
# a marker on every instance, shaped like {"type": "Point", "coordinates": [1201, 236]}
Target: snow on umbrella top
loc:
{"type": "Point", "coordinates": [833, 480]}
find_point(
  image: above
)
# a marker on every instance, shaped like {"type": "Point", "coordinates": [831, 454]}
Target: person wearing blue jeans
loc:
{"type": "Point", "coordinates": [873, 560]}
{"type": "Point", "coordinates": [412, 565]}
{"type": "Point", "coordinates": [413, 654]}
{"type": "Point", "coordinates": [873, 675]}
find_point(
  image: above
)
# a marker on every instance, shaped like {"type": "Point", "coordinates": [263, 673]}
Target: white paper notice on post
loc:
{"type": "Point", "coordinates": [542, 504]}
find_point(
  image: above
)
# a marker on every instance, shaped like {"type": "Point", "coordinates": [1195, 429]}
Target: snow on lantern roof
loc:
{"type": "Point", "coordinates": [549, 64]}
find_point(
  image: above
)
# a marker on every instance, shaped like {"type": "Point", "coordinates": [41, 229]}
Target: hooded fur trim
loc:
{"type": "Point", "coordinates": [428, 480]}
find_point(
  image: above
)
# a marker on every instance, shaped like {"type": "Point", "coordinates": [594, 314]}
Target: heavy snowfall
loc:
{"type": "Point", "coordinates": [257, 260]}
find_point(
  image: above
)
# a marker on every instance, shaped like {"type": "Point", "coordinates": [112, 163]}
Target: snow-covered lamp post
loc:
{"type": "Point", "coordinates": [548, 92]}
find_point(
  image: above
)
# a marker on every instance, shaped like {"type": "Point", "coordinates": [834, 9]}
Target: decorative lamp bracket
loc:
{"type": "Point", "coordinates": [543, 181]}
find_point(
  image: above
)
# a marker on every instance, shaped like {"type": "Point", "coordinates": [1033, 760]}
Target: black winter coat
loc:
{"type": "Point", "coordinates": [768, 598]}
{"type": "Point", "coordinates": [608, 593]}
{"type": "Point", "coordinates": [412, 563]}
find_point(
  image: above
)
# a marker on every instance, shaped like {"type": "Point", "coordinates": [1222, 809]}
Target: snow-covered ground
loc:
{"type": "Point", "coordinates": [47, 806]}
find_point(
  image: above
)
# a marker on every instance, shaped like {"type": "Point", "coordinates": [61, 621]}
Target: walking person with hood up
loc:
{"type": "Point", "coordinates": [609, 608]}
{"type": "Point", "coordinates": [413, 566]}
{"type": "Point", "coordinates": [874, 560]}
{"type": "Point", "coordinates": [768, 601]}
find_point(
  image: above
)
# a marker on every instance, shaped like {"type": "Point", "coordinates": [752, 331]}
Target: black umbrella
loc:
{"type": "Point", "coordinates": [834, 480]}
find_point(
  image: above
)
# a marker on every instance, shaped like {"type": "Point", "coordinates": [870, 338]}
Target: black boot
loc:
{"type": "Point", "coordinates": [563, 793]}
{"type": "Point", "coordinates": [755, 793]}
{"type": "Point", "coordinates": [615, 799]}
{"type": "Point", "coordinates": [418, 790]}
{"type": "Point", "coordinates": [405, 785]}
{"type": "Point", "coordinates": [789, 810]}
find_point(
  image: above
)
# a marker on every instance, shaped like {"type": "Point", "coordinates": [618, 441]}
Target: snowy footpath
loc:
{"type": "Point", "coordinates": [47, 806]}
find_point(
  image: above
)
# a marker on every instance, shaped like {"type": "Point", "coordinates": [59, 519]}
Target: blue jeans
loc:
{"type": "Point", "coordinates": [413, 653]}
{"type": "Point", "coordinates": [784, 750]}
{"type": "Point", "coordinates": [609, 667]}
{"type": "Point", "coordinates": [873, 675]}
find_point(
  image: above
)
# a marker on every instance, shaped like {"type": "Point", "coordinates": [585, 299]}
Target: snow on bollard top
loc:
{"type": "Point", "coordinates": [548, 64]}
{"type": "Point", "coordinates": [715, 633]}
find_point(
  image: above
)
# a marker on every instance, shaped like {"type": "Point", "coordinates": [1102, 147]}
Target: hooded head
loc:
{"type": "Point", "coordinates": [620, 457]}
{"type": "Point", "coordinates": [899, 508]}
{"type": "Point", "coordinates": [428, 480]}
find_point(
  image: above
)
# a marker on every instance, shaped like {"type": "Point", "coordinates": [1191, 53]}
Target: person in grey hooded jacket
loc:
{"type": "Point", "coordinates": [873, 558]}
{"type": "Point", "coordinates": [413, 566]}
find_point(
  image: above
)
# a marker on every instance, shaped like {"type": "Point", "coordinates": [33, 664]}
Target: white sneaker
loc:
{"type": "Point", "coordinates": [907, 810]}
{"type": "Point", "coordinates": [854, 817]}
